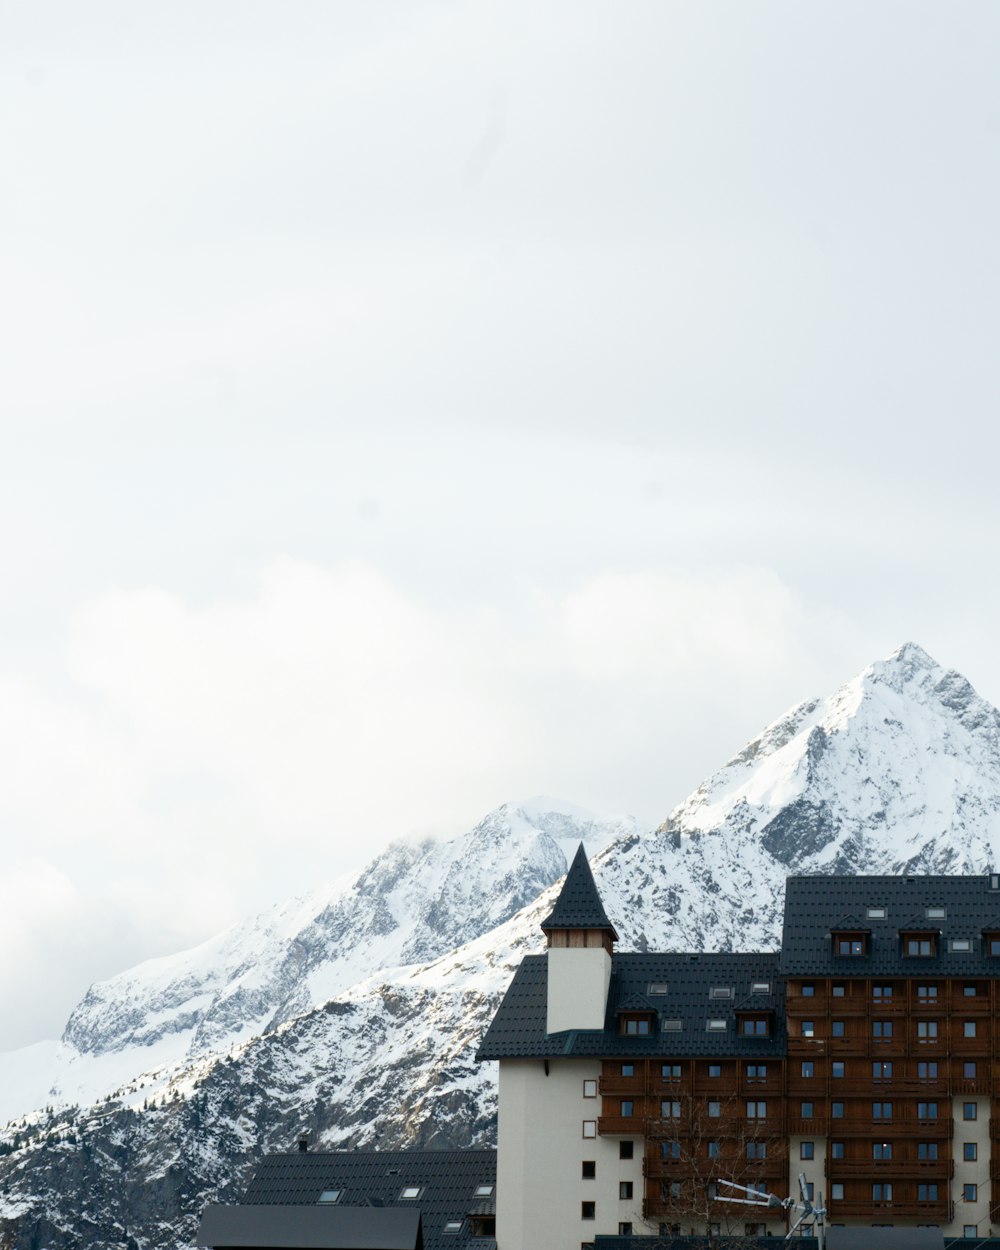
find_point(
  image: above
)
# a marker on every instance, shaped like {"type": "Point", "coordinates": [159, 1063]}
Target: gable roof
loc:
{"type": "Point", "coordinates": [262, 1227]}
{"type": "Point", "coordinates": [368, 1179]}
{"type": "Point", "coordinates": [579, 904]}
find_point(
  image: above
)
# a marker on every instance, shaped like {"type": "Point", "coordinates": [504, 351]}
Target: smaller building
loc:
{"type": "Point", "coordinates": [362, 1200]}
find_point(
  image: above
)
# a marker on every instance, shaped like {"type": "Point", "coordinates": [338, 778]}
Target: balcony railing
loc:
{"type": "Point", "coordinates": [890, 1169]}
{"type": "Point", "coordinates": [880, 1212]}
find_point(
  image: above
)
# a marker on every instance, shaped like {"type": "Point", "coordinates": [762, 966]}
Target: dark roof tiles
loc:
{"type": "Point", "coordinates": [815, 906]}
{"type": "Point", "coordinates": [518, 1028]}
{"type": "Point", "coordinates": [579, 904]}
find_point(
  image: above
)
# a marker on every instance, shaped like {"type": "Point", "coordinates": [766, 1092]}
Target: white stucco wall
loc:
{"type": "Point", "coordinates": [813, 1169]}
{"type": "Point", "coordinates": [541, 1149]}
{"type": "Point", "coordinates": [578, 980]}
{"type": "Point", "coordinates": [977, 1173]}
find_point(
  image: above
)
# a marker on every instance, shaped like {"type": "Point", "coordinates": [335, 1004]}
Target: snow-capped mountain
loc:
{"type": "Point", "coordinates": [414, 902]}
{"type": "Point", "coordinates": [898, 771]}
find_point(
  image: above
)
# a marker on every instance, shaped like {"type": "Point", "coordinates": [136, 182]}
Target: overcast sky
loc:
{"type": "Point", "coordinates": [411, 406]}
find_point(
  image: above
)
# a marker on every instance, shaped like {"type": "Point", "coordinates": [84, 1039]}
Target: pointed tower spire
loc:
{"type": "Point", "coordinates": [579, 905]}
{"type": "Point", "coordinates": [581, 940]}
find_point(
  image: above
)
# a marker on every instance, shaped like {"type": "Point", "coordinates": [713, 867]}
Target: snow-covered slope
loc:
{"type": "Point", "coordinates": [414, 902]}
{"type": "Point", "coordinates": [898, 771]}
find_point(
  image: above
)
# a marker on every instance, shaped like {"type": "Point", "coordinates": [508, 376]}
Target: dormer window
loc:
{"type": "Point", "coordinates": [919, 945]}
{"type": "Point", "coordinates": [757, 1025]}
{"type": "Point", "coordinates": [850, 944]}
{"type": "Point", "coordinates": [637, 1025]}
{"type": "Point", "coordinates": [991, 938]}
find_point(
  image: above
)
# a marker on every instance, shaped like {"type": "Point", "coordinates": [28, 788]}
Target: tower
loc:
{"type": "Point", "coordinates": [580, 942]}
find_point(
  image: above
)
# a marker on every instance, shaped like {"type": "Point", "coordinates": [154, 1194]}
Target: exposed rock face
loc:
{"type": "Point", "coordinates": [356, 1013]}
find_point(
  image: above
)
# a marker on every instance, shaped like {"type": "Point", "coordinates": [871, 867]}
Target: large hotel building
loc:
{"type": "Point", "coordinates": [865, 1054]}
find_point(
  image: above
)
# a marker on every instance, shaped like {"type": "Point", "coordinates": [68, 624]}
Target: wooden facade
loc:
{"type": "Point", "coordinates": [876, 1070]}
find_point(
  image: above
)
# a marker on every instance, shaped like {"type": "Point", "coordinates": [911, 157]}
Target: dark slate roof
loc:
{"type": "Point", "coordinates": [370, 1178]}
{"type": "Point", "coordinates": [518, 1028]}
{"type": "Point", "coordinates": [579, 904]}
{"type": "Point", "coordinates": [310, 1228]}
{"type": "Point", "coordinates": [815, 906]}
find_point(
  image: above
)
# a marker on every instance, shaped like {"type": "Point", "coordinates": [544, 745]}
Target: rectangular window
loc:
{"type": "Point", "coordinates": [881, 1192]}
{"type": "Point", "coordinates": [624, 1189]}
{"type": "Point", "coordinates": [881, 1110]}
{"type": "Point", "coordinates": [968, 1110]}
{"type": "Point", "coordinates": [756, 1072]}
{"type": "Point", "coordinates": [670, 1150]}
{"type": "Point", "coordinates": [672, 1026]}
{"type": "Point", "coordinates": [836, 1028]}
{"type": "Point", "coordinates": [411, 1191]}
{"type": "Point", "coordinates": [588, 1210]}
{"type": "Point", "coordinates": [715, 1026]}
{"type": "Point", "coordinates": [968, 991]}
{"type": "Point", "coordinates": [919, 947]}
{"type": "Point", "coordinates": [970, 1230]}
{"type": "Point", "coordinates": [836, 1110]}
{"type": "Point", "coordinates": [636, 1028]}
{"type": "Point", "coordinates": [808, 1068]}
{"type": "Point", "coordinates": [927, 1193]}
{"type": "Point", "coordinates": [625, 1229]}
{"type": "Point", "coordinates": [960, 945]}
{"type": "Point", "coordinates": [808, 1028]}
{"type": "Point", "coordinates": [628, 1108]}
{"type": "Point", "coordinates": [881, 1070]}
{"type": "Point", "coordinates": [881, 1150]}
{"type": "Point", "coordinates": [760, 987]}
{"type": "Point", "coordinates": [670, 1110]}
{"type": "Point", "coordinates": [713, 1149]}
{"type": "Point", "coordinates": [994, 946]}
{"type": "Point", "coordinates": [721, 991]}
{"type": "Point", "coordinates": [590, 1128]}
{"type": "Point", "coordinates": [807, 1150]}
{"type": "Point", "coordinates": [881, 1029]}
{"type": "Point", "coordinates": [588, 1169]}
{"type": "Point", "coordinates": [850, 946]}
{"type": "Point", "coordinates": [755, 1028]}
{"type": "Point", "coordinates": [970, 1151]}
{"type": "Point", "coordinates": [628, 1069]}
{"type": "Point", "coordinates": [927, 1030]}
{"type": "Point", "coordinates": [969, 1071]}
{"type": "Point", "coordinates": [927, 1151]}
{"type": "Point", "coordinates": [935, 913]}
{"type": "Point", "coordinates": [670, 1071]}
{"type": "Point", "coordinates": [714, 1110]}
{"type": "Point", "coordinates": [876, 913]}
{"type": "Point", "coordinates": [756, 1150]}
{"type": "Point", "coordinates": [927, 1111]}
{"type": "Point", "coordinates": [807, 1111]}
{"type": "Point", "coordinates": [756, 1110]}
{"type": "Point", "coordinates": [837, 1069]}
{"type": "Point", "coordinates": [590, 1089]}
{"type": "Point", "coordinates": [657, 989]}
{"type": "Point", "coordinates": [881, 991]}
{"type": "Point", "coordinates": [838, 991]}
{"type": "Point", "coordinates": [836, 1150]}
{"type": "Point", "coordinates": [714, 1070]}
{"type": "Point", "coordinates": [927, 1071]}
{"type": "Point", "coordinates": [837, 1192]}
{"type": "Point", "coordinates": [808, 991]}
{"type": "Point", "coordinates": [968, 1028]}
{"type": "Point", "coordinates": [626, 1149]}
{"type": "Point", "coordinates": [927, 992]}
